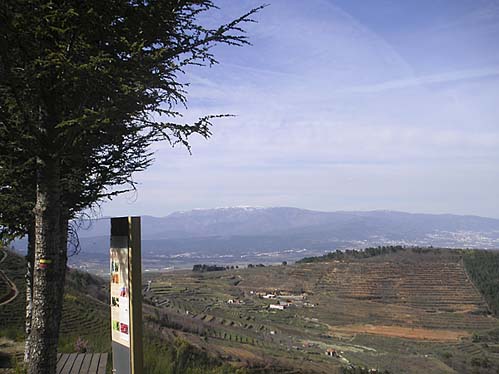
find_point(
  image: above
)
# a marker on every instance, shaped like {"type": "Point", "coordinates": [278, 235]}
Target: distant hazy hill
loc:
{"type": "Point", "coordinates": [237, 230]}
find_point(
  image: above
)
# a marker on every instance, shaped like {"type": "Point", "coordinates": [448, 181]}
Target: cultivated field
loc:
{"type": "Point", "coordinates": [403, 312]}
{"type": "Point", "coordinates": [86, 319]}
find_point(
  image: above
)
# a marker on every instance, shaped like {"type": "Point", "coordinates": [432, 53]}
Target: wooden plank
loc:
{"type": "Point", "coordinates": [102, 364]}
{"type": "Point", "coordinates": [59, 356]}
{"type": "Point", "coordinates": [78, 362]}
{"type": "Point", "coordinates": [61, 361]}
{"type": "Point", "coordinates": [85, 365]}
{"type": "Point", "coordinates": [69, 364]}
{"type": "Point", "coordinates": [94, 364]}
{"type": "Point", "coordinates": [82, 363]}
{"type": "Point", "coordinates": [135, 277]}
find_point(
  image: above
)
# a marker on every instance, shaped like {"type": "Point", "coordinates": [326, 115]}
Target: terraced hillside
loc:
{"type": "Point", "coordinates": [85, 314]}
{"type": "Point", "coordinates": [12, 313]}
{"type": "Point", "coordinates": [426, 291]}
{"type": "Point", "coordinates": [86, 318]}
{"type": "Point", "coordinates": [435, 285]}
{"type": "Point", "coordinates": [402, 312]}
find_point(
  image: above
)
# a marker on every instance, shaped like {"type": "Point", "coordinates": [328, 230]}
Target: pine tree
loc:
{"type": "Point", "coordinates": [85, 88]}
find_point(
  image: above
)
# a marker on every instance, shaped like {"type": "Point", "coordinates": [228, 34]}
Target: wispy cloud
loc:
{"type": "Point", "coordinates": [338, 111]}
{"type": "Point", "coordinates": [447, 77]}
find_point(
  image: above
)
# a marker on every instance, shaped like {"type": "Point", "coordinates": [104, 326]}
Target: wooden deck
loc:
{"type": "Point", "coordinates": [81, 363]}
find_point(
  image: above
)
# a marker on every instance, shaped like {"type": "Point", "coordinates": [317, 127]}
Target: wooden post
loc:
{"type": "Point", "coordinates": [126, 295]}
{"type": "Point", "coordinates": [135, 272]}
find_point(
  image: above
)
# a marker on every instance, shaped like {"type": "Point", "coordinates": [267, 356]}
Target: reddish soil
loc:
{"type": "Point", "coordinates": [402, 332]}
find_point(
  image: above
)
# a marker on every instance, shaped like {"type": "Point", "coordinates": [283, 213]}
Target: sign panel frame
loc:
{"type": "Point", "coordinates": [126, 295]}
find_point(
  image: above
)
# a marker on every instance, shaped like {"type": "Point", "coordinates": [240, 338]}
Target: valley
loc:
{"type": "Point", "coordinates": [251, 235]}
{"type": "Point", "coordinates": [401, 312]}
{"type": "Point", "coordinates": [389, 309]}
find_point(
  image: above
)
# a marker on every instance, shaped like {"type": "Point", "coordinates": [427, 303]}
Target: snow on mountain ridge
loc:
{"type": "Point", "coordinates": [226, 208]}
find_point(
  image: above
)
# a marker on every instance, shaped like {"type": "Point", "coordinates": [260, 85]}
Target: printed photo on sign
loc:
{"type": "Point", "coordinates": [124, 328]}
{"type": "Point", "coordinates": [123, 292]}
{"type": "Point", "coordinates": [124, 315]}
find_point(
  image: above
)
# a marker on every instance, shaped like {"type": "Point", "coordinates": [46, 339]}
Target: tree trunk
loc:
{"type": "Point", "coordinates": [30, 261]}
{"type": "Point", "coordinates": [49, 269]}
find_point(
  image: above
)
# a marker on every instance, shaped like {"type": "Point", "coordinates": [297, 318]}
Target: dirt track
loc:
{"type": "Point", "coordinates": [13, 289]}
{"type": "Point", "coordinates": [402, 332]}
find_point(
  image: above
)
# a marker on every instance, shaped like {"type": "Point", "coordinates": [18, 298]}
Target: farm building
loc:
{"type": "Point", "coordinates": [292, 297]}
{"type": "Point", "coordinates": [269, 296]}
{"type": "Point", "coordinates": [235, 301]}
{"type": "Point", "coordinates": [331, 352]}
{"type": "Point", "coordinates": [277, 306]}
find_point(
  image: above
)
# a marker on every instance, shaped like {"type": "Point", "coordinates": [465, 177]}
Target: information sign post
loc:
{"type": "Point", "coordinates": [126, 295]}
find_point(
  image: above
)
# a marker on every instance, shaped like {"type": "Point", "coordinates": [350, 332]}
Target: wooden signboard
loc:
{"type": "Point", "coordinates": [126, 295]}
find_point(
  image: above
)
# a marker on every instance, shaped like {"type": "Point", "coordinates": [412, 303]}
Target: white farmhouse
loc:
{"type": "Point", "coordinates": [277, 306]}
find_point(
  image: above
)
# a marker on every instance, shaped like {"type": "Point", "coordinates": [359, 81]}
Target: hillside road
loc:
{"type": "Point", "coordinates": [13, 289]}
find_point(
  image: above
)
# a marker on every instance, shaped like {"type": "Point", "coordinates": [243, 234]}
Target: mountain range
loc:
{"type": "Point", "coordinates": [248, 228]}
{"type": "Point", "coordinates": [284, 233]}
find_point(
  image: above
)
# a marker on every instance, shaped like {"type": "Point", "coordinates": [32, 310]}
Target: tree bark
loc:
{"type": "Point", "coordinates": [30, 261]}
{"type": "Point", "coordinates": [49, 269]}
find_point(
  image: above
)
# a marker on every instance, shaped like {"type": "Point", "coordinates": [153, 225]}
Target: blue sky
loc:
{"type": "Point", "coordinates": [342, 105]}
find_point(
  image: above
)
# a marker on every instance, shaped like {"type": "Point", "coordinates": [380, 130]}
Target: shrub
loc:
{"type": "Point", "coordinates": [81, 345]}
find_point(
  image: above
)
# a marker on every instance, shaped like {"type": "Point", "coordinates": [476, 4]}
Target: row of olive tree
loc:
{"type": "Point", "coordinates": [85, 88]}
